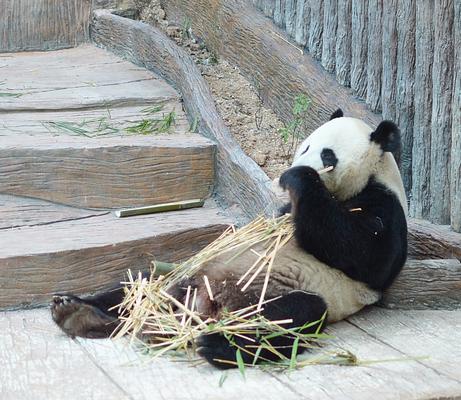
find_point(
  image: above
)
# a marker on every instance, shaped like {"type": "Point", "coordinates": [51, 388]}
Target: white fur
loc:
{"type": "Point", "coordinates": [343, 295]}
{"type": "Point", "coordinates": [358, 159]}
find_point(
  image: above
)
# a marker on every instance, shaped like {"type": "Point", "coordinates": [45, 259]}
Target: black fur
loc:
{"type": "Point", "coordinates": [387, 135]}
{"type": "Point", "coordinates": [337, 114]}
{"type": "Point", "coordinates": [286, 209]}
{"type": "Point", "coordinates": [328, 157]}
{"type": "Point", "coordinates": [107, 301]}
{"type": "Point", "coordinates": [301, 307]}
{"type": "Point", "coordinates": [369, 245]}
{"type": "Point", "coordinates": [91, 317]}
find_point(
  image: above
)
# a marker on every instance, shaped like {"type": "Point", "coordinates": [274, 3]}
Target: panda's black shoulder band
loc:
{"type": "Point", "coordinates": [387, 135]}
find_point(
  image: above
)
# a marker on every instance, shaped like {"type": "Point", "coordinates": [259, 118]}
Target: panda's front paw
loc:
{"type": "Point", "coordinates": [297, 179]}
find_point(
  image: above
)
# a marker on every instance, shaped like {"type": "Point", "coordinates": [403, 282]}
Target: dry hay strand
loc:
{"type": "Point", "coordinates": [166, 325]}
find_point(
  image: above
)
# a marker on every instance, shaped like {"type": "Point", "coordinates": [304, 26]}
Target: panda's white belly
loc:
{"type": "Point", "coordinates": [342, 295]}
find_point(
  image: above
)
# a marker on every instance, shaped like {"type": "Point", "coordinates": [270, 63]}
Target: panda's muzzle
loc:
{"type": "Point", "coordinates": [328, 157]}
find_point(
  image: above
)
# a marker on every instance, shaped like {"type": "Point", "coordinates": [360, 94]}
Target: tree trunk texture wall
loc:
{"type": "Point", "coordinates": [43, 24]}
{"type": "Point", "coordinates": [403, 57]}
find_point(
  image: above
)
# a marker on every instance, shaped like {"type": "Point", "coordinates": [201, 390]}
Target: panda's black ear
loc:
{"type": "Point", "coordinates": [387, 135]}
{"type": "Point", "coordinates": [337, 114]}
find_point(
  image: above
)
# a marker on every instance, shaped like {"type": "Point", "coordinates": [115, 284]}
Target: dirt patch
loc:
{"type": "Point", "coordinates": [255, 127]}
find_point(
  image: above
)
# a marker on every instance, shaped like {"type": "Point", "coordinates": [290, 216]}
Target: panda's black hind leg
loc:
{"type": "Point", "coordinates": [301, 307]}
{"type": "Point", "coordinates": [91, 317]}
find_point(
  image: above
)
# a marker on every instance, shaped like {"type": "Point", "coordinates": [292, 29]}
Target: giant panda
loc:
{"type": "Point", "coordinates": [349, 244]}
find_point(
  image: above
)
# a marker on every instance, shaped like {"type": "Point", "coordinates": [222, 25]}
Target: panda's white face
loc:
{"type": "Point", "coordinates": [345, 144]}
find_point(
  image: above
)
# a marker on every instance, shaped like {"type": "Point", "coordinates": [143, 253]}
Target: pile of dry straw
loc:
{"type": "Point", "coordinates": [166, 325]}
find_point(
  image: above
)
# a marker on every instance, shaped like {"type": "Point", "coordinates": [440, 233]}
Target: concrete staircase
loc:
{"type": "Point", "coordinates": [83, 132]}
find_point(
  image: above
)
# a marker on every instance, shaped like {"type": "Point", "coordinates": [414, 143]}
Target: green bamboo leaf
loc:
{"type": "Point", "coordinates": [240, 363]}
{"type": "Point", "coordinates": [294, 353]}
{"type": "Point", "coordinates": [222, 379]}
{"type": "Point", "coordinates": [258, 351]}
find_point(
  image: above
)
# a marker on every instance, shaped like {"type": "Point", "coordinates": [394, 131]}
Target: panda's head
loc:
{"type": "Point", "coordinates": [356, 152]}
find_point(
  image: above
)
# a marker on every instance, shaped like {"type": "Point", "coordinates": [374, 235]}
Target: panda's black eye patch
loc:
{"type": "Point", "coordinates": [305, 151]}
{"type": "Point", "coordinates": [329, 158]}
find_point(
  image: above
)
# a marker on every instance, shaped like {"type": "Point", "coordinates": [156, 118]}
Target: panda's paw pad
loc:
{"type": "Point", "coordinates": [217, 350]}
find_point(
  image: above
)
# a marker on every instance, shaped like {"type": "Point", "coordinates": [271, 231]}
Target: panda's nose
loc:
{"type": "Point", "coordinates": [328, 158]}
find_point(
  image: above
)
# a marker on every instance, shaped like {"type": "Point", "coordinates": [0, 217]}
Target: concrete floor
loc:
{"type": "Point", "coordinates": [38, 362]}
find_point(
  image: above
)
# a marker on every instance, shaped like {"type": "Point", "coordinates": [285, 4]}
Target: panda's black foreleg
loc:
{"type": "Point", "coordinates": [301, 307]}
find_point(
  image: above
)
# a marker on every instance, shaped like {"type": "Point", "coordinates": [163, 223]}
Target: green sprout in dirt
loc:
{"type": "Point", "coordinates": [186, 29]}
{"type": "Point", "coordinates": [294, 131]}
{"type": "Point", "coordinates": [213, 58]}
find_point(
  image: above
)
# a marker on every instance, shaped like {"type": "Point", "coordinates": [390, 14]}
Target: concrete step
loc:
{"type": "Point", "coordinates": [68, 133]}
{"type": "Point", "coordinates": [83, 252]}
{"type": "Point", "coordinates": [108, 172]}
{"type": "Point", "coordinates": [80, 78]}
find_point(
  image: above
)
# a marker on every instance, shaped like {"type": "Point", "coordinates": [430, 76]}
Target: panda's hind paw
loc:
{"type": "Point", "coordinates": [62, 306]}
{"type": "Point", "coordinates": [217, 350]}
{"type": "Point", "coordinates": [76, 317]}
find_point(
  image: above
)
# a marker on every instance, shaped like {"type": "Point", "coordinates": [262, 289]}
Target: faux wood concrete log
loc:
{"type": "Point", "coordinates": [303, 19]}
{"type": "Point", "coordinates": [455, 182]}
{"type": "Point", "coordinates": [421, 157]}
{"type": "Point", "coordinates": [316, 29]}
{"type": "Point", "coordinates": [279, 13]}
{"type": "Point", "coordinates": [389, 51]}
{"type": "Point", "coordinates": [359, 47]}
{"type": "Point", "coordinates": [266, 6]}
{"type": "Point", "coordinates": [426, 284]}
{"type": "Point", "coordinates": [431, 241]}
{"type": "Point", "coordinates": [43, 24]}
{"type": "Point", "coordinates": [278, 69]}
{"type": "Point", "coordinates": [374, 54]}
{"type": "Point", "coordinates": [343, 43]}
{"type": "Point", "coordinates": [405, 77]}
{"type": "Point", "coordinates": [330, 23]}
{"type": "Point", "coordinates": [108, 172]}
{"type": "Point", "coordinates": [442, 85]}
{"type": "Point", "coordinates": [240, 182]}
{"type": "Point", "coordinates": [290, 16]}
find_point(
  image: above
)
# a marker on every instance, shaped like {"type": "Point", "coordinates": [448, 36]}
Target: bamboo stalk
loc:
{"type": "Point", "coordinates": [268, 273]}
{"type": "Point", "coordinates": [175, 206]}
{"type": "Point", "coordinates": [326, 169]}
{"type": "Point", "coordinates": [208, 287]}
